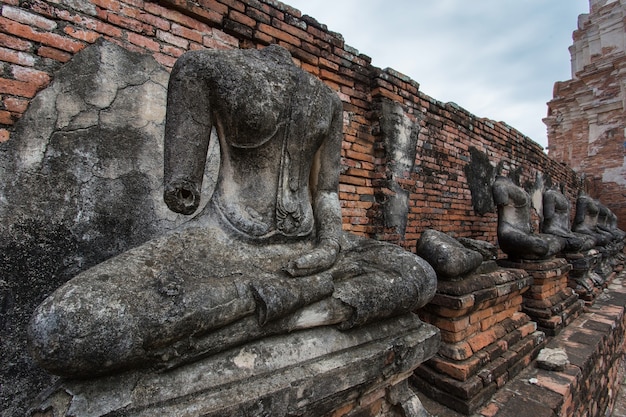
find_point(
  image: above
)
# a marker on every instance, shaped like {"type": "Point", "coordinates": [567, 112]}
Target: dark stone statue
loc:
{"type": "Point", "coordinates": [607, 222]}
{"type": "Point", "coordinates": [515, 233]}
{"type": "Point", "coordinates": [265, 256]}
{"type": "Point", "coordinates": [586, 220]}
{"type": "Point", "coordinates": [449, 257]}
{"type": "Point", "coordinates": [556, 221]}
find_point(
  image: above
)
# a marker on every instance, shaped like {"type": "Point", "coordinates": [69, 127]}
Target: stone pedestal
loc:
{"type": "Point", "coordinates": [605, 266]}
{"type": "Point", "coordinates": [549, 301]}
{"type": "Point", "coordinates": [582, 278]}
{"type": "Point", "coordinates": [318, 372]}
{"type": "Point", "coordinates": [486, 339]}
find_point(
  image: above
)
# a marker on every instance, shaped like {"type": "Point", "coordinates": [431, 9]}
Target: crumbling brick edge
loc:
{"type": "Point", "coordinates": [589, 385]}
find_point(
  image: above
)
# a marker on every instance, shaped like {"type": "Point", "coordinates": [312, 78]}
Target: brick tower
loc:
{"type": "Point", "coordinates": [587, 117]}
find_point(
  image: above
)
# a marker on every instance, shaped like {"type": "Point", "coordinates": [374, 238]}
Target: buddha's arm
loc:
{"type": "Point", "coordinates": [187, 133]}
{"type": "Point", "coordinates": [326, 207]}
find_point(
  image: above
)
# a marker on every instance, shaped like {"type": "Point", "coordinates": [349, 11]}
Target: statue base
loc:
{"type": "Point", "coordinates": [582, 278]}
{"type": "Point", "coordinates": [486, 339]}
{"type": "Point", "coordinates": [316, 372]}
{"type": "Point", "coordinates": [549, 301]}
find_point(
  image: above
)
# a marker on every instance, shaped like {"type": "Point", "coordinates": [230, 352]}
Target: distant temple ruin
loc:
{"type": "Point", "coordinates": [587, 116]}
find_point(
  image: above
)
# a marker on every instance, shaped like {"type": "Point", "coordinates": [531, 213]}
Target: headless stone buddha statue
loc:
{"type": "Point", "coordinates": [267, 254]}
{"type": "Point", "coordinates": [586, 220]}
{"type": "Point", "coordinates": [556, 221]}
{"type": "Point", "coordinates": [515, 232]}
{"type": "Point", "coordinates": [607, 222]}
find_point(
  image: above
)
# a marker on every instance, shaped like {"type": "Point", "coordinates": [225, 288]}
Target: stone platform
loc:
{"type": "Point", "coordinates": [588, 386]}
{"type": "Point", "coordinates": [549, 301]}
{"type": "Point", "coordinates": [317, 372]}
{"type": "Point", "coordinates": [486, 339]}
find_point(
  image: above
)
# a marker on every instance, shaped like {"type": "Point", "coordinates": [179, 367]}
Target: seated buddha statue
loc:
{"type": "Point", "coordinates": [556, 221]}
{"type": "Point", "coordinates": [515, 233]}
{"type": "Point", "coordinates": [266, 255]}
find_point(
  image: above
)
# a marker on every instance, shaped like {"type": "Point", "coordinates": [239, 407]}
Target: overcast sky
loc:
{"type": "Point", "coordinates": [496, 58]}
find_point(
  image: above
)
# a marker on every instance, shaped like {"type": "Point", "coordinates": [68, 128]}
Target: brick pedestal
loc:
{"type": "Point", "coordinates": [549, 301]}
{"type": "Point", "coordinates": [486, 338]}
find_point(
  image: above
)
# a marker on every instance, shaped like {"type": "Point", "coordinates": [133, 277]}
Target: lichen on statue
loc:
{"type": "Point", "coordinates": [515, 233]}
{"type": "Point", "coordinates": [266, 255]}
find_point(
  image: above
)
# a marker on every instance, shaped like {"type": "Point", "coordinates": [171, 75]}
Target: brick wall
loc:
{"type": "Point", "coordinates": [38, 36]}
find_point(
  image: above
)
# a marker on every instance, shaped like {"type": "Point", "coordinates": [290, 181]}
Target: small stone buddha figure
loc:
{"type": "Point", "coordinates": [450, 259]}
{"type": "Point", "coordinates": [586, 220]}
{"type": "Point", "coordinates": [266, 255]}
{"type": "Point", "coordinates": [607, 222]}
{"type": "Point", "coordinates": [556, 221]}
{"type": "Point", "coordinates": [515, 232]}
{"type": "Point", "coordinates": [612, 226]}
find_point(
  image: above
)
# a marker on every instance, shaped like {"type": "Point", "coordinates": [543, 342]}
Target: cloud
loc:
{"type": "Point", "coordinates": [496, 58]}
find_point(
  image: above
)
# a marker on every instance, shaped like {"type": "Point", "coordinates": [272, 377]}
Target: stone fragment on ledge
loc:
{"type": "Point", "coordinates": [549, 301]}
{"type": "Point", "coordinates": [552, 359]}
{"type": "Point", "coordinates": [316, 372]}
{"type": "Point", "coordinates": [486, 339]}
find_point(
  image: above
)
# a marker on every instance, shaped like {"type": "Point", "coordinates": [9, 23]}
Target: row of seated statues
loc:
{"type": "Point", "coordinates": [267, 255]}
{"type": "Point", "coordinates": [594, 226]}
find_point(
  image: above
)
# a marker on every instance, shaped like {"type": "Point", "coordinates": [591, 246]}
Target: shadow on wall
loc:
{"type": "Point", "coordinates": [80, 181]}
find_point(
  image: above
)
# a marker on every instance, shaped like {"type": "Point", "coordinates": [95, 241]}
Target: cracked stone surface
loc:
{"type": "Point", "coordinates": [80, 181]}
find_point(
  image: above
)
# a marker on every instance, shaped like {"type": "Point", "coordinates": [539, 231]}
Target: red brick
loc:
{"type": "Point", "coordinates": [16, 57]}
{"type": "Point", "coordinates": [172, 50]}
{"type": "Point", "coordinates": [15, 105]}
{"type": "Point", "coordinates": [242, 18]}
{"type": "Point", "coordinates": [14, 43]}
{"type": "Point", "coordinates": [191, 34]}
{"type": "Point", "coordinates": [293, 30]}
{"type": "Point", "coordinates": [216, 6]}
{"type": "Point", "coordinates": [178, 17]}
{"type": "Point", "coordinates": [4, 135]}
{"type": "Point", "coordinates": [17, 88]}
{"type": "Point", "coordinates": [6, 118]}
{"type": "Point", "coordinates": [482, 340]}
{"type": "Point", "coordinates": [166, 60]}
{"type": "Point", "coordinates": [279, 34]}
{"type": "Point", "coordinates": [53, 53]}
{"type": "Point", "coordinates": [81, 34]}
{"type": "Point", "coordinates": [143, 41]}
{"type": "Point", "coordinates": [28, 18]}
{"type": "Point", "coordinates": [47, 38]}
{"type": "Point", "coordinates": [30, 75]}
{"type": "Point", "coordinates": [130, 24]}
{"type": "Point", "coordinates": [172, 39]}
{"type": "Point", "coordinates": [152, 20]}
{"type": "Point", "coordinates": [112, 5]}
{"type": "Point", "coordinates": [225, 38]}
{"type": "Point", "coordinates": [234, 4]}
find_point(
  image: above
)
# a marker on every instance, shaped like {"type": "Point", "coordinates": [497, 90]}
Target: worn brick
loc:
{"type": "Point", "coordinates": [17, 57]}
{"type": "Point", "coordinates": [17, 88]}
{"type": "Point", "coordinates": [14, 43]}
{"type": "Point", "coordinates": [81, 34]}
{"type": "Point", "coordinates": [53, 53]}
{"type": "Point", "coordinates": [28, 18]}
{"type": "Point", "coordinates": [47, 38]}
{"type": "Point", "coordinates": [143, 41]}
